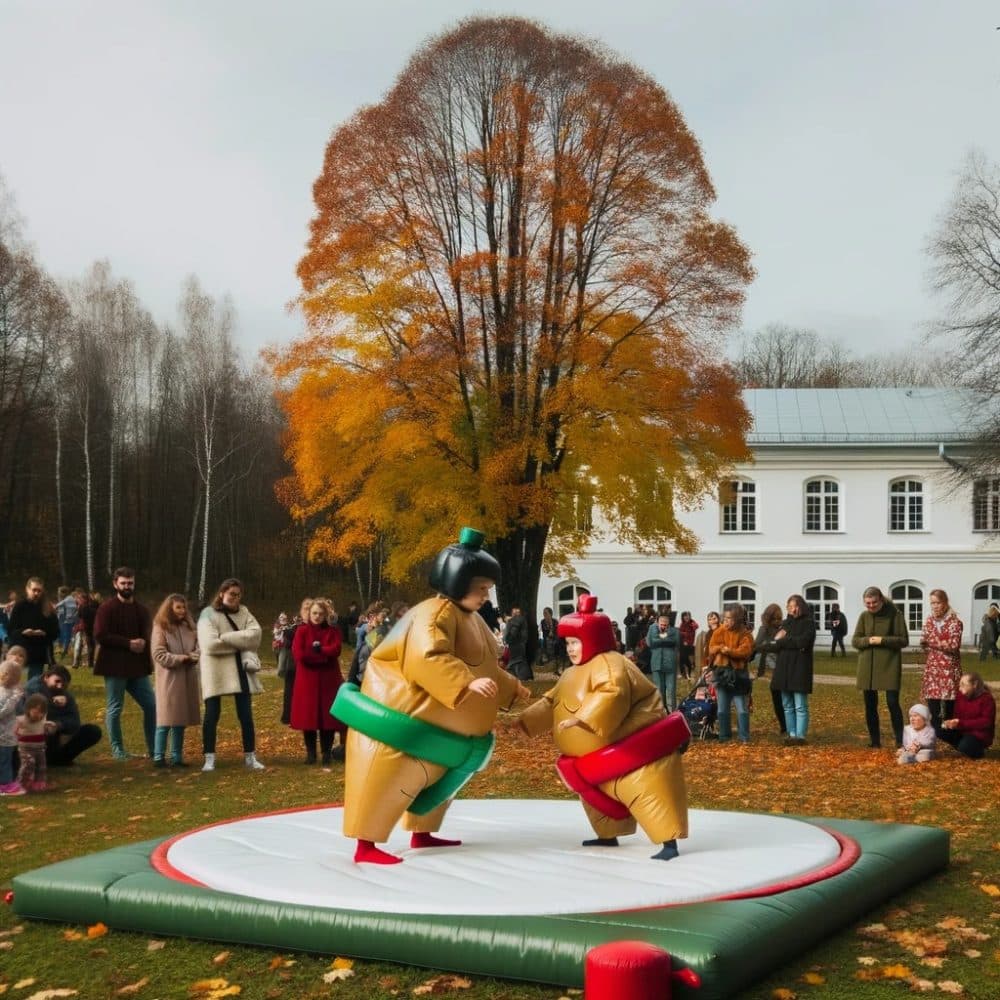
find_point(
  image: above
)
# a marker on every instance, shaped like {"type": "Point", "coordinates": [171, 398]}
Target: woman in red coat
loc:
{"type": "Point", "coordinates": [316, 649]}
{"type": "Point", "coordinates": [973, 728]}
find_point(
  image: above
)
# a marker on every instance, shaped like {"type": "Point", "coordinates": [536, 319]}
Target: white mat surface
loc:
{"type": "Point", "coordinates": [517, 857]}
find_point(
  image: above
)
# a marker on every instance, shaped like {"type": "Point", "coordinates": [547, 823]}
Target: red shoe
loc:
{"type": "Point", "coordinates": [38, 786]}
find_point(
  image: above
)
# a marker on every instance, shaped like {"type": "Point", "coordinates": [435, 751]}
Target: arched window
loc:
{"type": "Point", "coordinates": [908, 596]}
{"type": "Point", "coordinates": [654, 593]}
{"type": "Point", "coordinates": [566, 595]}
{"type": "Point", "coordinates": [741, 592]}
{"type": "Point", "coordinates": [738, 501]}
{"type": "Point", "coordinates": [821, 595]}
{"type": "Point", "coordinates": [986, 505]}
{"type": "Point", "coordinates": [983, 595]}
{"type": "Point", "coordinates": [906, 505]}
{"type": "Point", "coordinates": [822, 509]}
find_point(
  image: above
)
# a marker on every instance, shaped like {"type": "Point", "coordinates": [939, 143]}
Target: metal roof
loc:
{"type": "Point", "coordinates": [846, 416]}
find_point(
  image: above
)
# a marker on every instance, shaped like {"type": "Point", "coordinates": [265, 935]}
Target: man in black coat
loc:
{"type": "Point", "coordinates": [515, 638]}
{"type": "Point", "coordinates": [33, 625]}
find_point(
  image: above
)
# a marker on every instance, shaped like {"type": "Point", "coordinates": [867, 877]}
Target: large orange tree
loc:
{"type": "Point", "coordinates": [516, 300]}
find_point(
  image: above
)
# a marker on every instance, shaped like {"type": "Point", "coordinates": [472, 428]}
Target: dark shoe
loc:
{"type": "Point", "coordinates": [179, 763]}
{"type": "Point", "coordinates": [159, 762]}
{"type": "Point", "coordinates": [310, 758]}
{"type": "Point", "coordinates": [789, 741]}
{"type": "Point", "coordinates": [327, 758]}
{"type": "Point", "coordinates": [338, 752]}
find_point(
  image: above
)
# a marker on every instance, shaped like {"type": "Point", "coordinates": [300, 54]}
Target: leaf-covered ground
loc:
{"type": "Point", "coordinates": [941, 937]}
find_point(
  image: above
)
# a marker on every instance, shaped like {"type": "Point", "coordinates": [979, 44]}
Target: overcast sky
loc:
{"type": "Point", "coordinates": [184, 136]}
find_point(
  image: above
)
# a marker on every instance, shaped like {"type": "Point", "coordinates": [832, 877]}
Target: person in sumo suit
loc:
{"type": "Point", "coordinates": [621, 751]}
{"type": "Point", "coordinates": [436, 673]}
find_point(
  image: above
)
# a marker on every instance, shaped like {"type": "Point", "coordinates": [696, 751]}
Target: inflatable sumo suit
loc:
{"type": "Point", "coordinates": [422, 669]}
{"type": "Point", "coordinates": [622, 717]}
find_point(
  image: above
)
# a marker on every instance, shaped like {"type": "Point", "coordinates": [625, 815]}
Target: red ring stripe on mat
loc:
{"type": "Point", "coordinates": [850, 851]}
{"type": "Point", "coordinates": [158, 859]}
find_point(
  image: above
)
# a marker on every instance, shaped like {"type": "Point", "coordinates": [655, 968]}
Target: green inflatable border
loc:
{"type": "Point", "coordinates": [730, 944]}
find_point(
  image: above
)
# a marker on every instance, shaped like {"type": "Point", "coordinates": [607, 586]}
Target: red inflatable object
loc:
{"type": "Point", "coordinates": [630, 970]}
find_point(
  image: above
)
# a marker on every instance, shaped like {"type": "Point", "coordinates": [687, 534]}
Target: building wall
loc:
{"type": "Point", "coordinates": [779, 558]}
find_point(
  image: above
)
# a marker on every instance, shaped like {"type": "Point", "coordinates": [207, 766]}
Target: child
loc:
{"type": "Point", "coordinates": [19, 655]}
{"type": "Point", "coordinates": [596, 711]}
{"type": "Point", "coordinates": [10, 694]}
{"type": "Point", "coordinates": [919, 738]}
{"type": "Point", "coordinates": [32, 728]}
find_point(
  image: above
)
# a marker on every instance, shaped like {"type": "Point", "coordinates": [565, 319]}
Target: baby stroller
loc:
{"type": "Point", "coordinates": [701, 710]}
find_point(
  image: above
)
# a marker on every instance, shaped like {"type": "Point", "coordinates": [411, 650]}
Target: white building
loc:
{"type": "Point", "coordinates": [847, 489]}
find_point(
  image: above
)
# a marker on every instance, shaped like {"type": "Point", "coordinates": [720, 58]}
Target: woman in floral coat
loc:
{"type": "Point", "coordinates": [942, 641]}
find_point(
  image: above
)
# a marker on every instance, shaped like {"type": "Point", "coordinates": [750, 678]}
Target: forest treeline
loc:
{"type": "Point", "coordinates": [126, 441]}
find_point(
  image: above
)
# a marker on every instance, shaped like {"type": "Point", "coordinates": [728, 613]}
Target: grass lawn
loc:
{"type": "Point", "coordinates": [941, 936]}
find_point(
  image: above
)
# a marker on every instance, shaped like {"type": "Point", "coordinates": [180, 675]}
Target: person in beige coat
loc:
{"type": "Point", "coordinates": [228, 637]}
{"type": "Point", "coordinates": [174, 645]}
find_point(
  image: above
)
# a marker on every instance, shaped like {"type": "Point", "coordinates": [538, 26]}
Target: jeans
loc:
{"type": "Point", "coordinates": [176, 734]}
{"type": "Point", "coordinates": [142, 693]}
{"type": "Point", "coordinates": [213, 709]}
{"type": "Point", "coordinates": [65, 635]}
{"type": "Point", "coordinates": [895, 716]}
{"type": "Point", "coordinates": [796, 708]}
{"type": "Point", "coordinates": [666, 682]}
{"type": "Point", "coordinates": [726, 700]}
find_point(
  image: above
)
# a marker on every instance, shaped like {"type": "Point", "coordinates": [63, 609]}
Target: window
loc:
{"type": "Point", "coordinates": [738, 499]}
{"type": "Point", "coordinates": [566, 596]}
{"type": "Point", "coordinates": [741, 593]}
{"type": "Point", "coordinates": [821, 596]}
{"type": "Point", "coordinates": [822, 505]}
{"type": "Point", "coordinates": [654, 593]}
{"type": "Point", "coordinates": [909, 598]}
{"type": "Point", "coordinates": [986, 505]}
{"type": "Point", "coordinates": [906, 505]}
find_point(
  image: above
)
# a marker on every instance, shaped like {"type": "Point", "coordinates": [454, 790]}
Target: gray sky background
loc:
{"type": "Point", "coordinates": [184, 136]}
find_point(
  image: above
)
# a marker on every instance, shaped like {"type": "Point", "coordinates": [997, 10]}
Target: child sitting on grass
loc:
{"type": "Point", "coordinates": [919, 738]}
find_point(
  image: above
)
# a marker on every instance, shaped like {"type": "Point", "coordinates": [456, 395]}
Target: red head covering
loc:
{"type": "Point", "coordinates": [592, 629]}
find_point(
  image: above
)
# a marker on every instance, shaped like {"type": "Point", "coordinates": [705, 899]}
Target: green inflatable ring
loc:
{"type": "Point", "coordinates": [463, 756]}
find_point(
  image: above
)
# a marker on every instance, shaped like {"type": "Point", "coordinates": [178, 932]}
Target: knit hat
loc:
{"type": "Point", "coordinates": [456, 565]}
{"type": "Point", "coordinates": [591, 628]}
{"type": "Point", "coordinates": [921, 710]}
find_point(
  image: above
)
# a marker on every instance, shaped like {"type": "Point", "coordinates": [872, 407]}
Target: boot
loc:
{"type": "Point", "coordinates": [251, 763]}
{"type": "Point", "coordinates": [209, 764]}
{"type": "Point", "coordinates": [327, 758]}
{"type": "Point", "coordinates": [310, 756]}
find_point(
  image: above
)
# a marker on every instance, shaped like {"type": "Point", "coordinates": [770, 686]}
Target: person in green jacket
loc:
{"type": "Point", "coordinates": [880, 637]}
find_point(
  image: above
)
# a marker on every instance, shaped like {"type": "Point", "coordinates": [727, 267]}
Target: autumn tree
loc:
{"type": "Point", "coordinates": [965, 273]}
{"type": "Point", "coordinates": [515, 296]}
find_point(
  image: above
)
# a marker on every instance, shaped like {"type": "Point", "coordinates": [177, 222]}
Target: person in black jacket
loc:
{"type": "Point", "coordinates": [836, 623]}
{"type": "Point", "coordinates": [69, 738]}
{"type": "Point", "coordinates": [33, 625]}
{"type": "Point", "coordinates": [793, 668]}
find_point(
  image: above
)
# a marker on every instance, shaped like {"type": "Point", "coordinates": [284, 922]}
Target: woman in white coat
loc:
{"type": "Point", "coordinates": [228, 637]}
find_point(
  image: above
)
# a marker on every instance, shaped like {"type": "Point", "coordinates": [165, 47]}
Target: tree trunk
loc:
{"type": "Point", "coordinates": [88, 494]}
{"type": "Point", "coordinates": [59, 501]}
{"type": "Point", "coordinates": [111, 504]}
{"type": "Point", "coordinates": [191, 539]}
{"type": "Point", "coordinates": [520, 557]}
{"type": "Point", "coordinates": [204, 533]}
